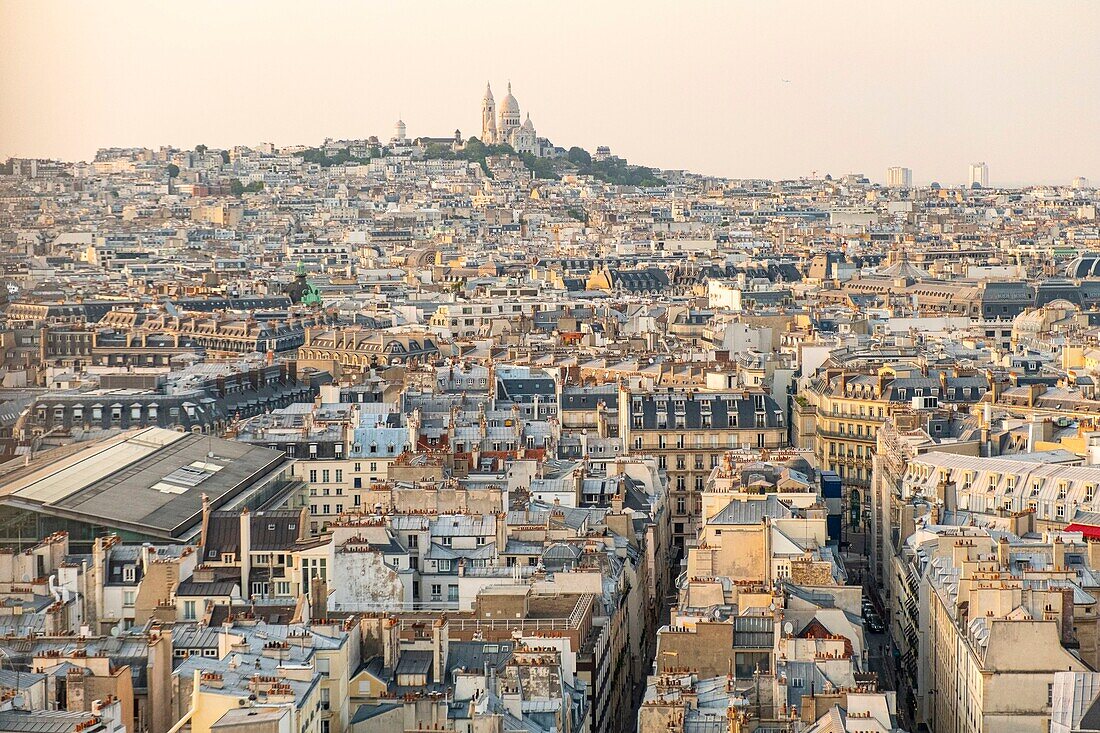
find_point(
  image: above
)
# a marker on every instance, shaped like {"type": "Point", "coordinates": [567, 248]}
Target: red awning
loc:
{"type": "Point", "coordinates": [1087, 530]}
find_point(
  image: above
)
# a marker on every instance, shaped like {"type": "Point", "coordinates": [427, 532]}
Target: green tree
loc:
{"type": "Point", "coordinates": [475, 150]}
{"type": "Point", "coordinates": [579, 156]}
{"type": "Point", "coordinates": [540, 167]}
{"type": "Point", "coordinates": [438, 151]}
{"type": "Point", "coordinates": [201, 149]}
{"type": "Point", "coordinates": [236, 187]}
{"type": "Point", "coordinates": [225, 156]}
{"type": "Point", "coordinates": [173, 170]}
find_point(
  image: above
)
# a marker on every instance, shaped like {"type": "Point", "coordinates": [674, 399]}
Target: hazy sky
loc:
{"type": "Point", "coordinates": [748, 88]}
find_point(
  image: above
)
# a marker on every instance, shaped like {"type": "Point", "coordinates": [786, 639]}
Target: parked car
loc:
{"type": "Point", "coordinates": [874, 623]}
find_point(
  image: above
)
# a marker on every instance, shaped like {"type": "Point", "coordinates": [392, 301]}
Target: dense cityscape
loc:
{"type": "Point", "coordinates": [485, 433]}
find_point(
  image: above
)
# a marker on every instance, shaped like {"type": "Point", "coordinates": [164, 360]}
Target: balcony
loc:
{"type": "Point", "coordinates": [836, 435]}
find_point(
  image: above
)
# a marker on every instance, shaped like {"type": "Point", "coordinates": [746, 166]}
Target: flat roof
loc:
{"type": "Point", "coordinates": [151, 480]}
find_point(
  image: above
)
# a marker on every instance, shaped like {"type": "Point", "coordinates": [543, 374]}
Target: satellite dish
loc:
{"type": "Point", "coordinates": [788, 628]}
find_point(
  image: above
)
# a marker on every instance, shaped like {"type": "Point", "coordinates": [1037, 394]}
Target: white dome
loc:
{"type": "Point", "coordinates": [510, 104]}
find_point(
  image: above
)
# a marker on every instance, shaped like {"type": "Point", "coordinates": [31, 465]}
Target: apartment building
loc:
{"type": "Point", "coordinates": [992, 640]}
{"type": "Point", "coordinates": [840, 412]}
{"type": "Point", "coordinates": [1050, 487]}
{"type": "Point", "coordinates": [688, 431]}
{"type": "Point", "coordinates": [906, 434]}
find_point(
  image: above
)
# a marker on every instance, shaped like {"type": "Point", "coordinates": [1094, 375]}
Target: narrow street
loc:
{"type": "Point", "coordinates": [855, 553]}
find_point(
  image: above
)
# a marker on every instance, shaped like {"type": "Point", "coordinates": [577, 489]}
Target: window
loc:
{"type": "Point", "coordinates": [339, 476]}
{"type": "Point", "coordinates": [189, 610]}
{"type": "Point", "coordinates": [437, 590]}
{"type": "Point", "coordinates": [128, 598]}
{"type": "Point", "coordinates": [129, 574]}
{"type": "Point", "coordinates": [313, 476]}
{"type": "Point", "coordinates": [324, 476]}
{"type": "Point", "coordinates": [452, 593]}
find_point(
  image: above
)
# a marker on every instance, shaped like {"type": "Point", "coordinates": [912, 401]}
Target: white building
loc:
{"type": "Point", "coordinates": [979, 173]}
{"type": "Point", "coordinates": [899, 177]}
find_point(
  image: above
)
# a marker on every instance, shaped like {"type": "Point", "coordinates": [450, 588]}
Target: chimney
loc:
{"type": "Point", "coordinates": [246, 550]}
{"type": "Point", "coordinates": [205, 520]}
{"type": "Point", "coordinates": [1094, 552]}
{"type": "Point", "coordinates": [1059, 553]}
{"type": "Point", "coordinates": [1002, 552]}
{"type": "Point", "coordinates": [391, 650]}
{"type": "Point", "coordinates": [440, 647]}
{"type": "Point", "coordinates": [501, 526]}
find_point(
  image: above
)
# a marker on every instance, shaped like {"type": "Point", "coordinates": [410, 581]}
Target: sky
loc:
{"type": "Point", "coordinates": [741, 88]}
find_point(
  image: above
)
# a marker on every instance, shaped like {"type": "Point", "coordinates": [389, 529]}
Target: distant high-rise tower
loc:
{"type": "Point", "coordinates": [1080, 182]}
{"type": "Point", "coordinates": [488, 117]}
{"type": "Point", "coordinates": [898, 177]}
{"type": "Point", "coordinates": [979, 174]}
